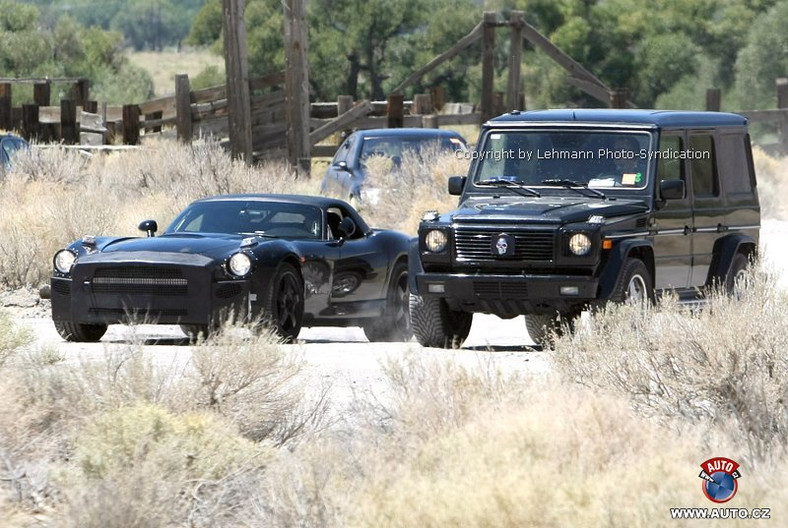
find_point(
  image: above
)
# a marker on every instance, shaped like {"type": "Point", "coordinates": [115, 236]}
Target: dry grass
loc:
{"type": "Point", "coordinates": [417, 185]}
{"type": "Point", "coordinates": [164, 65]}
{"type": "Point", "coordinates": [772, 184]}
{"type": "Point", "coordinates": [724, 365]}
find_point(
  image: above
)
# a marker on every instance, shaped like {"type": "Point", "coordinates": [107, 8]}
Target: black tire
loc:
{"type": "Point", "coordinates": [736, 279]}
{"type": "Point", "coordinates": [194, 332]}
{"type": "Point", "coordinates": [436, 325]}
{"type": "Point", "coordinates": [80, 333]}
{"type": "Point", "coordinates": [394, 325]}
{"type": "Point", "coordinates": [635, 284]}
{"type": "Point", "coordinates": [541, 328]}
{"type": "Point", "coordinates": [283, 306]}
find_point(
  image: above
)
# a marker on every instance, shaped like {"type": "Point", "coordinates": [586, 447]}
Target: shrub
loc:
{"type": "Point", "coordinates": [724, 364]}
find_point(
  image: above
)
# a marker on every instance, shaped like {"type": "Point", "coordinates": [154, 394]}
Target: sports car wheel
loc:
{"type": "Point", "coordinates": [284, 303]}
{"type": "Point", "coordinates": [394, 325]}
{"type": "Point", "coordinates": [436, 325]}
{"type": "Point", "coordinates": [82, 333]}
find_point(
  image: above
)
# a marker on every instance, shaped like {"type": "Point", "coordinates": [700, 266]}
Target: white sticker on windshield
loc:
{"type": "Point", "coordinates": [495, 136]}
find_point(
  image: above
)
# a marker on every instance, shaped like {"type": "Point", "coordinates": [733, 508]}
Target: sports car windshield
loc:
{"type": "Point", "coordinates": [267, 219]}
{"type": "Point", "coordinates": [565, 158]}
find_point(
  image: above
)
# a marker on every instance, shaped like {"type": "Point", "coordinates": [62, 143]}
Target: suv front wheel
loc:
{"type": "Point", "coordinates": [436, 325]}
{"type": "Point", "coordinates": [635, 284]}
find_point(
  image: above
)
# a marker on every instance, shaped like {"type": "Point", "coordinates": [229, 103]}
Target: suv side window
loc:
{"type": "Point", "coordinates": [734, 163]}
{"type": "Point", "coordinates": [670, 166]}
{"type": "Point", "coordinates": [705, 180]}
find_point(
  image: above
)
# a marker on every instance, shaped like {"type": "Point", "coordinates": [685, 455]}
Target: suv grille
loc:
{"type": "Point", "coordinates": [475, 244]}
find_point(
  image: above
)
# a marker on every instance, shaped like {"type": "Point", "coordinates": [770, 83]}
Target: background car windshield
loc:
{"type": "Point", "coordinates": [251, 218]}
{"type": "Point", "coordinates": [599, 159]}
{"type": "Point", "coordinates": [396, 147]}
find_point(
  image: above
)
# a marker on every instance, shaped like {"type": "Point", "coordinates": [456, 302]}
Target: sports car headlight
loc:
{"type": "Point", "coordinates": [64, 260]}
{"type": "Point", "coordinates": [240, 264]}
{"type": "Point", "coordinates": [436, 240]}
{"type": "Point", "coordinates": [579, 244]}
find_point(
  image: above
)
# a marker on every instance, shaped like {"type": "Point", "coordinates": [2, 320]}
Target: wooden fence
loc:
{"type": "Point", "coordinates": [199, 113]}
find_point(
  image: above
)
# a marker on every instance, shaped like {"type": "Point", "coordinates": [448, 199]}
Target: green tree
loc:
{"type": "Point", "coordinates": [763, 59]}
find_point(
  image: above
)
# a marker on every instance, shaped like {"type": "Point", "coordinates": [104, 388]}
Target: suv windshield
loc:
{"type": "Point", "coordinates": [541, 158]}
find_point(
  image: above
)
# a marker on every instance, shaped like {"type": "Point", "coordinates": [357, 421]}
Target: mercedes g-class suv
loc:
{"type": "Point", "coordinates": [564, 209]}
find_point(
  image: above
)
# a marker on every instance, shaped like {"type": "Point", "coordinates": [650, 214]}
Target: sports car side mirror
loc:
{"type": "Point", "coordinates": [342, 165]}
{"type": "Point", "coordinates": [456, 184]}
{"type": "Point", "coordinates": [347, 227]}
{"type": "Point", "coordinates": [149, 226]}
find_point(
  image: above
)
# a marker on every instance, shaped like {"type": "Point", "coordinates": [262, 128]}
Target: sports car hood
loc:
{"type": "Point", "coordinates": [544, 210]}
{"type": "Point", "coordinates": [211, 246]}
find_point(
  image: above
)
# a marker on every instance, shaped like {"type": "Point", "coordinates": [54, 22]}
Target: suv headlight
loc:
{"type": "Point", "coordinates": [240, 264]}
{"type": "Point", "coordinates": [64, 260]}
{"type": "Point", "coordinates": [579, 244]}
{"type": "Point", "coordinates": [436, 240]}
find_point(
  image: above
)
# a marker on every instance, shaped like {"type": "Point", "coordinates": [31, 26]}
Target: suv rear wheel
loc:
{"type": "Point", "coordinates": [436, 325]}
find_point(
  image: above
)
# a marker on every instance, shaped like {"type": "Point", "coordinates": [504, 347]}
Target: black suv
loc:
{"type": "Point", "coordinates": [562, 209]}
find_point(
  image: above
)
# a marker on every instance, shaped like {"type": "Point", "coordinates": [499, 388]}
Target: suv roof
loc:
{"type": "Point", "coordinates": [669, 118]}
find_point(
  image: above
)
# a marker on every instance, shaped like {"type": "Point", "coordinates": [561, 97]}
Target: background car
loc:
{"type": "Point", "coordinates": [347, 172]}
{"type": "Point", "coordinates": [9, 145]}
{"type": "Point", "coordinates": [286, 260]}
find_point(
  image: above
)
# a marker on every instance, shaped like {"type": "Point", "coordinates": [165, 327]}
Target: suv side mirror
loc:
{"type": "Point", "coordinates": [347, 227]}
{"type": "Point", "coordinates": [149, 226]}
{"type": "Point", "coordinates": [457, 184]}
{"type": "Point", "coordinates": [672, 189]}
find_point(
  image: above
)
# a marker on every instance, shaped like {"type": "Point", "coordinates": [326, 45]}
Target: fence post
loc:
{"type": "Point", "coordinates": [131, 124]}
{"type": "Point", "coordinates": [430, 121]}
{"type": "Point", "coordinates": [90, 106]}
{"type": "Point", "coordinates": [81, 92]}
{"type": "Point", "coordinates": [618, 98]}
{"type": "Point", "coordinates": [395, 110]}
{"type": "Point", "coordinates": [6, 117]}
{"type": "Point", "coordinates": [488, 58]}
{"type": "Point", "coordinates": [514, 87]}
{"type": "Point", "coordinates": [344, 103]}
{"type": "Point", "coordinates": [782, 104]}
{"type": "Point", "coordinates": [297, 85]}
{"type": "Point", "coordinates": [713, 98]}
{"type": "Point", "coordinates": [438, 98]}
{"type": "Point", "coordinates": [422, 104]}
{"type": "Point", "coordinates": [30, 125]}
{"type": "Point", "coordinates": [69, 127]}
{"type": "Point", "coordinates": [41, 93]}
{"type": "Point", "coordinates": [183, 108]}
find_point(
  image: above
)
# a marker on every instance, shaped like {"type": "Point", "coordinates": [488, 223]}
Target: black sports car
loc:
{"type": "Point", "coordinates": [288, 261]}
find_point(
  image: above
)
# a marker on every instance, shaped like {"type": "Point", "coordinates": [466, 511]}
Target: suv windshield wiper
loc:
{"type": "Point", "coordinates": [509, 184]}
{"type": "Point", "coordinates": [572, 184]}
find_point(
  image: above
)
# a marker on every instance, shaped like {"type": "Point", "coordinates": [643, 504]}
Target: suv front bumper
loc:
{"type": "Point", "coordinates": [509, 295]}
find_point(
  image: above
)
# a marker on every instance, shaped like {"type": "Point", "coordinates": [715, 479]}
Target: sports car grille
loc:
{"type": "Point", "coordinates": [476, 244]}
{"type": "Point", "coordinates": [143, 280]}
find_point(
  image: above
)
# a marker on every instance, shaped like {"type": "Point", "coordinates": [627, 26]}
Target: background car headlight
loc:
{"type": "Point", "coordinates": [579, 244]}
{"type": "Point", "coordinates": [64, 259]}
{"type": "Point", "coordinates": [240, 264]}
{"type": "Point", "coordinates": [436, 240]}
